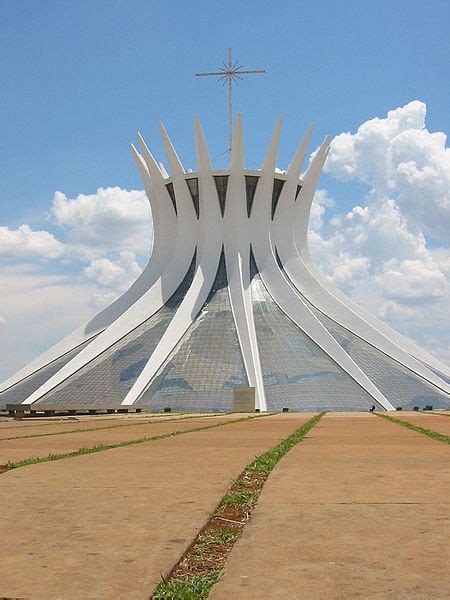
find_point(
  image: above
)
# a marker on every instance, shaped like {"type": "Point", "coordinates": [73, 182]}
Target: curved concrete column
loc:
{"type": "Point", "coordinates": [276, 232]}
{"type": "Point", "coordinates": [164, 220]}
{"type": "Point", "coordinates": [237, 259]}
{"type": "Point", "coordinates": [209, 249]}
{"type": "Point", "coordinates": [283, 233]}
{"type": "Point", "coordinates": [283, 294]}
{"type": "Point", "coordinates": [183, 239]}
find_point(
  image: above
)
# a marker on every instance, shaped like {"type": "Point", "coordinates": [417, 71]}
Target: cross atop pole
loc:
{"type": "Point", "coordinates": [229, 73]}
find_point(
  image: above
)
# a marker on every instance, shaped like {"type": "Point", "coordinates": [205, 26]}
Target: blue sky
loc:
{"type": "Point", "coordinates": [79, 78]}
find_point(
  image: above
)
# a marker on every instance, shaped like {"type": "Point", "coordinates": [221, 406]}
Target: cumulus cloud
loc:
{"type": "Point", "coordinates": [364, 154]}
{"type": "Point", "coordinates": [400, 159]}
{"type": "Point", "coordinates": [378, 252]}
{"type": "Point", "coordinates": [372, 255]}
{"type": "Point", "coordinates": [117, 275]}
{"type": "Point", "coordinates": [112, 219]}
{"type": "Point", "coordinates": [38, 310]}
{"type": "Point", "coordinates": [322, 201]}
{"type": "Point", "coordinates": [105, 239]}
{"type": "Point", "coordinates": [23, 243]}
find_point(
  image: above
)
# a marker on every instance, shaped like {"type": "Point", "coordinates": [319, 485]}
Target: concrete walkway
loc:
{"type": "Point", "coordinates": [359, 509]}
{"type": "Point", "coordinates": [108, 524]}
{"type": "Point", "coordinates": [37, 426]}
{"type": "Point", "coordinates": [17, 449]}
{"type": "Point", "coordinates": [437, 423]}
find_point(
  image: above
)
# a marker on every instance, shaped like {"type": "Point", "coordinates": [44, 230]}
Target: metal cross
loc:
{"type": "Point", "coordinates": [230, 73]}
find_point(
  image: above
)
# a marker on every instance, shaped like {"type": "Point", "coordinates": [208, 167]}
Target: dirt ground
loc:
{"type": "Point", "coordinates": [359, 509]}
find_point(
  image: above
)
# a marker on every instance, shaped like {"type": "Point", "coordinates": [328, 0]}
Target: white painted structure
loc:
{"type": "Point", "coordinates": [250, 227]}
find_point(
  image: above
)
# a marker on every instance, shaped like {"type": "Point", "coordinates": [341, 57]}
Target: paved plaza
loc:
{"type": "Point", "coordinates": [358, 509]}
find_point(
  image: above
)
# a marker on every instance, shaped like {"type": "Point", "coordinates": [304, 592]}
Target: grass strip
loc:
{"type": "Point", "coordinates": [190, 588]}
{"type": "Point", "coordinates": [83, 430]}
{"type": "Point", "coordinates": [440, 437]}
{"type": "Point", "coordinates": [201, 565]}
{"type": "Point", "coordinates": [34, 460]}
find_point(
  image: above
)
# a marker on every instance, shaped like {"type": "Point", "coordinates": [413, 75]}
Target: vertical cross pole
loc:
{"type": "Point", "coordinates": [230, 102]}
{"type": "Point", "coordinates": [228, 73]}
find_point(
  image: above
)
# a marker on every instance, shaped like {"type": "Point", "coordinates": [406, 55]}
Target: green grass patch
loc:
{"type": "Point", "coordinates": [196, 587]}
{"type": "Point", "coordinates": [33, 460]}
{"type": "Point", "coordinates": [440, 437]}
{"type": "Point", "coordinates": [240, 499]}
{"type": "Point", "coordinates": [205, 542]}
{"type": "Point", "coordinates": [200, 566]}
{"type": "Point", "coordinates": [264, 464]}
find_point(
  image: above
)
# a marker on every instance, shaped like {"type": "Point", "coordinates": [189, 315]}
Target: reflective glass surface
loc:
{"type": "Point", "coordinates": [20, 392]}
{"type": "Point", "coordinates": [107, 379]}
{"type": "Point", "coordinates": [193, 189]}
{"type": "Point", "coordinates": [438, 373]}
{"type": "Point", "coordinates": [171, 191]}
{"type": "Point", "coordinates": [297, 373]}
{"type": "Point", "coordinates": [397, 383]}
{"type": "Point", "coordinates": [206, 364]}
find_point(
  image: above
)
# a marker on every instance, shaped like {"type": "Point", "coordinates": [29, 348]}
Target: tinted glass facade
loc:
{"type": "Point", "coordinates": [276, 191]}
{"type": "Point", "coordinates": [207, 364]}
{"type": "Point", "coordinates": [297, 373]}
{"type": "Point", "coordinates": [250, 188]}
{"type": "Point", "coordinates": [221, 182]}
{"type": "Point", "coordinates": [397, 383]}
{"type": "Point", "coordinates": [107, 379]}
{"type": "Point", "coordinates": [20, 392]}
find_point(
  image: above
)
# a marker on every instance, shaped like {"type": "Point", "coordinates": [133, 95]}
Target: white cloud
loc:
{"type": "Point", "coordinates": [412, 280]}
{"type": "Point", "coordinates": [378, 252]}
{"type": "Point", "coordinates": [113, 219]}
{"type": "Point", "coordinates": [104, 237]}
{"type": "Point", "coordinates": [400, 159]}
{"type": "Point", "coordinates": [39, 309]}
{"type": "Point", "coordinates": [102, 298]}
{"type": "Point", "coordinates": [117, 275]}
{"type": "Point", "coordinates": [378, 231]}
{"type": "Point", "coordinates": [374, 258]}
{"type": "Point", "coordinates": [23, 244]}
{"type": "Point", "coordinates": [321, 202]}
